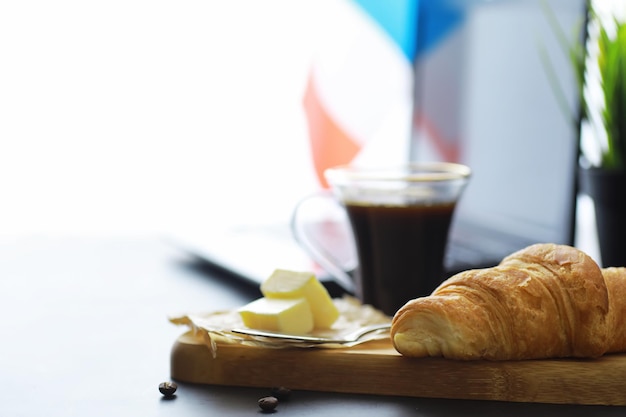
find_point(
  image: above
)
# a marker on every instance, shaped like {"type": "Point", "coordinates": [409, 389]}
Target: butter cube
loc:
{"type": "Point", "coordinates": [284, 284]}
{"type": "Point", "coordinates": [286, 316]}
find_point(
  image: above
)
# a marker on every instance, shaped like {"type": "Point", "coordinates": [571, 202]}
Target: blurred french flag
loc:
{"type": "Point", "coordinates": [360, 98]}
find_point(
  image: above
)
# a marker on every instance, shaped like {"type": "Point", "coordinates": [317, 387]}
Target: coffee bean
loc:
{"type": "Point", "coordinates": [168, 388]}
{"type": "Point", "coordinates": [268, 403]}
{"type": "Point", "coordinates": [281, 393]}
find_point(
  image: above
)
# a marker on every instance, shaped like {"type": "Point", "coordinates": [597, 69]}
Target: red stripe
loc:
{"type": "Point", "coordinates": [448, 149]}
{"type": "Point", "coordinates": [330, 144]}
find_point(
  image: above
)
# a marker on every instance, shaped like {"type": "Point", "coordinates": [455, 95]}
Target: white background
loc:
{"type": "Point", "coordinates": [135, 116]}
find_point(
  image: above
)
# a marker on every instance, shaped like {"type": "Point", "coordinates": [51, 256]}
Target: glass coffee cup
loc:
{"type": "Point", "coordinates": [398, 223]}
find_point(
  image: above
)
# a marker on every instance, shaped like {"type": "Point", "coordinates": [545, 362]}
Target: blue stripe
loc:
{"type": "Point", "coordinates": [438, 18]}
{"type": "Point", "coordinates": [399, 19]}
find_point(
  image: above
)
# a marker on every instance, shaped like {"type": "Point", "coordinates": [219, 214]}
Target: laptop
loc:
{"type": "Point", "coordinates": [522, 150]}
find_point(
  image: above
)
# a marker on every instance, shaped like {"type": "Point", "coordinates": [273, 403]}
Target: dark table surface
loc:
{"type": "Point", "coordinates": [85, 333]}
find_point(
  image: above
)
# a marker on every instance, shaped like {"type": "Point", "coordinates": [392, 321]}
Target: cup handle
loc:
{"type": "Point", "coordinates": [310, 217]}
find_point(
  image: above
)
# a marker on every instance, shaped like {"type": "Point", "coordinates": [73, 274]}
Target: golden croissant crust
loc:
{"type": "Point", "coordinates": [615, 279]}
{"type": "Point", "coordinates": [544, 301]}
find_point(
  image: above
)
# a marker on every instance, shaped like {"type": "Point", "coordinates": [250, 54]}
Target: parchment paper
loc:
{"type": "Point", "coordinates": [214, 327]}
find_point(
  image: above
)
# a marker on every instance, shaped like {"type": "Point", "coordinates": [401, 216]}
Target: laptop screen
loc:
{"type": "Point", "coordinates": [484, 98]}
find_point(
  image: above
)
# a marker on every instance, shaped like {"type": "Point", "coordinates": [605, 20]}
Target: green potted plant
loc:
{"type": "Point", "coordinates": [605, 182]}
{"type": "Point", "coordinates": [600, 68]}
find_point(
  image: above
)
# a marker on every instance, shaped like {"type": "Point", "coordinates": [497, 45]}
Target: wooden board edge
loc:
{"type": "Point", "coordinates": [380, 372]}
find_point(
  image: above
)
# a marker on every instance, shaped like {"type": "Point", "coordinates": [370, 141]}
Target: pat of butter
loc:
{"type": "Point", "coordinates": [284, 284]}
{"type": "Point", "coordinates": [291, 316]}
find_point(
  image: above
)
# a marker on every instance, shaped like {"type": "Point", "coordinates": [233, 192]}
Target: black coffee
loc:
{"type": "Point", "coordinates": [400, 250]}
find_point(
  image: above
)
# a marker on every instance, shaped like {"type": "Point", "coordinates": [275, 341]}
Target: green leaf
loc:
{"type": "Point", "coordinates": [612, 66]}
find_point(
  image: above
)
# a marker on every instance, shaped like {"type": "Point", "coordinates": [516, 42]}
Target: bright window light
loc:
{"type": "Point", "coordinates": [137, 116]}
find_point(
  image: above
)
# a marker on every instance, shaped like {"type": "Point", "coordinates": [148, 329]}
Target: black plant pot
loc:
{"type": "Point", "coordinates": [607, 189]}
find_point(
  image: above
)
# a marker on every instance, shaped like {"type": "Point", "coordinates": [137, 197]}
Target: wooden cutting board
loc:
{"type": "Point", "coordinates": [376, 368]}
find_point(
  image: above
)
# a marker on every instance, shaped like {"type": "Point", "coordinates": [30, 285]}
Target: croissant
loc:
{"type": "Point", "coordinates": [615, 279]}
{"type": "Point", "coordinates": [544, 301]}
